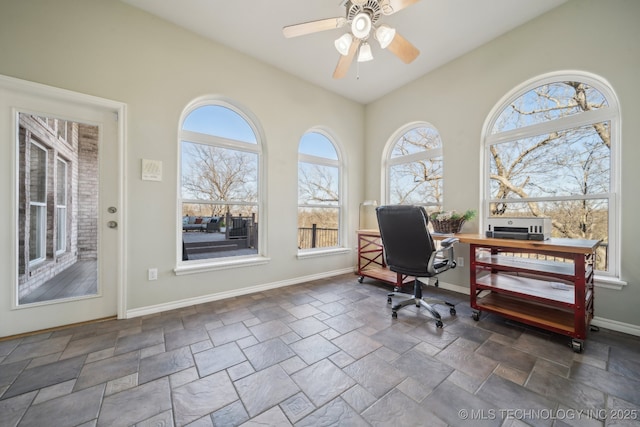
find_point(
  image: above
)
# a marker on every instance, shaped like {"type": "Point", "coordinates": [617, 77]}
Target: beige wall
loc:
{"type": "Point", "coordinates": [108, 49]}
{"type": "Point", "coordinates": [587, 35]}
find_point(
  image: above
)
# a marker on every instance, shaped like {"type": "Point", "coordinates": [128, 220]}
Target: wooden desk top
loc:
{"type": "Point", "coordinates": [582, 246]}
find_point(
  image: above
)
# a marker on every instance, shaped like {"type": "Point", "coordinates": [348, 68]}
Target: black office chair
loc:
{"type": "Point", "coordinates": [409, 250]}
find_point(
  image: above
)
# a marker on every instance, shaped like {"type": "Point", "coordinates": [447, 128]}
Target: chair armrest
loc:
{"type": "Point", "coordinates": [444, 254]}
{"type": "Point", "coordinates": [449, 241]}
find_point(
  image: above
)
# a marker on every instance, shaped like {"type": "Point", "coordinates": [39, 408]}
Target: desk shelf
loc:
{"type": "Point", "coordinates": [555, 293]}
{"type": "Point", "coordinates": [529, 288]}
{"type": "Point", "coordinates": [371, 260]}
{"type": "Point", "coordinates": [522, 310]}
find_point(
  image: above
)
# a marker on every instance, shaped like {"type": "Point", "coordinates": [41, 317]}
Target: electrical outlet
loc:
{"type": "Point", "coordinates": [153, 274]}
{"type": "Point", "coordinates": [460, 261]}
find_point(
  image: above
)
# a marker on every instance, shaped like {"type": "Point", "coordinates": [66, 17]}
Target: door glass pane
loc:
{"type": "Point", "coordinates": [57, 252]}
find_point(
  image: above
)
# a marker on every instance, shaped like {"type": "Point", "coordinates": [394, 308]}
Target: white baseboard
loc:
{"type": "Point", "coordinates": [600, 322]}
{"type": "Point", "coordinates": [159, 308]}
{"type": "Point", "coordinates": [455, 288]}
{"type": "Point", "coordinates": [614, 325]}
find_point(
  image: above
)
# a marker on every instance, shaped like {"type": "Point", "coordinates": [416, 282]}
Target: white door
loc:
{"type": "Point", "coordinates": [61, 194]}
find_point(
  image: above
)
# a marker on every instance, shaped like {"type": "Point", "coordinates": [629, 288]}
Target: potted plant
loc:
{"type": "Point", "coordinates": [447, 222]}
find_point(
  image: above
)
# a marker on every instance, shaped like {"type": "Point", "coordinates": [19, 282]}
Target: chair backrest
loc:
{"type": "Point", "coordinates": [408, 245]}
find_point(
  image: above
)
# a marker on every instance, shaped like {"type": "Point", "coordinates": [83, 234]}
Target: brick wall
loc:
{"type": "Point", "coordinates": [87, 200]}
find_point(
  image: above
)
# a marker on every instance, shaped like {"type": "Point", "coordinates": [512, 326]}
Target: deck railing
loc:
{"type": "Point", "coordinates": [316, 237]}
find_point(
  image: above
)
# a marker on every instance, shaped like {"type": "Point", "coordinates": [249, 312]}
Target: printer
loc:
{"type": "Point", "coordinates": [521, 228]}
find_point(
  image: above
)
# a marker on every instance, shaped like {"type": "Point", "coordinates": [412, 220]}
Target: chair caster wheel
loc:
{"type": "Point", "coordinates": [439, 324]}
{"type": "Point", "coordinates": [360, 279]}
{"type": "Point", "coordinates": [394, 315]}
{"type": "Point", "coordinates": [452, 311]}
{"type": "Point", "coordinates": [476, 315]}
{"type": "Point", "coordinates": [389, 300]}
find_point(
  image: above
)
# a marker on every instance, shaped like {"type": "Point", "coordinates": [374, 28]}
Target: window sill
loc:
{"type": "Point", "coordinates": [313, 253]}
{"type": "Point", "coordinates": [610, 283]}
{"type": "Point", "coordinates": [208, 265]}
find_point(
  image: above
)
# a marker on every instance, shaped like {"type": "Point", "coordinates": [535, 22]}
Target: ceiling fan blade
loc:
{"type": "Point", "coordinates": [403, 49]}
{"type": "Point", "coordinates": [345, 60]}
{"type": "Point", "coordinates": [390, 7]}
{"type": "Point", "coordinates": [313, 27]}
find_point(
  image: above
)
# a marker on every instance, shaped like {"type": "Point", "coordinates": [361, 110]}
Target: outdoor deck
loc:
{"type": "Point", "coordinates": [78, 280]}
{"type": "Point", "coordinates": [214, 245]}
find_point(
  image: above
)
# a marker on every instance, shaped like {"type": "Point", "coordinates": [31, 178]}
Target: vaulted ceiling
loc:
{"type": "Point", "coordinates": [441, 29]}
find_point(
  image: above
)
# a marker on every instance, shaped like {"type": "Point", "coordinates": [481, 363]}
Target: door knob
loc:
{"type": "Point", "coordinates": [112, 224]}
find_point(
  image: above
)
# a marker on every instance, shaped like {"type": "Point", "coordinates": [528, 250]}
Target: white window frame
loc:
{"type": "Point", "coordinates": [212, 264]}
{"type": "Point", "coordinates": [61, 218]}
{"type": "Point", "coordinates": [323, 161]}
{"type": "Point", "coordinates": [610, 114]}
{"type": "Point", "coordinates": [41, 232]}
{"type": "Point", "coordinates": [388, 162]}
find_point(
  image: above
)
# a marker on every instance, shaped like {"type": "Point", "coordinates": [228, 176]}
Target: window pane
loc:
{"type": "Point", "coordinates": [38, 175]}
{"type": "Point", "coordinates": [61, 184]}
{"type": "Point", "coordinates": [37, 223]}
{"type": "Point", "coordinates": [218, 174]}
{"type": "Point", "coordinates": [318, 227]}
{"type": "Point", "coordinates": [61, 231]}
{"type": "Point", "coordinates": [219, 121]}
{"type": "Point", "coordinates": [316, 144]}
{"type": "Point", "coordinates": [564, 163]}
{"type": "Point", "coordinates": [417, 140]}
{"type": "Point", "coordinates": [577, 219]}
{"type": "Point", "coordinates": [212, 230]}
{"type": "Point", "coordinates": [416, 182]}
{"type": "Point", "coordinates": [549, 102]}
{"type": "Point", "coordinates": [318, 184]}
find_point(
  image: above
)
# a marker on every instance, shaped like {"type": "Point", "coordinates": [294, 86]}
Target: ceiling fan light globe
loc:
{"type": "Point", "coordinates": [361, 25]}
{"type": "Point", "coordinates": [365, 53]}
{"type": "Point", "coordinates": [385, 34]}
{"type": "Point", "coordinates": [343, 43]}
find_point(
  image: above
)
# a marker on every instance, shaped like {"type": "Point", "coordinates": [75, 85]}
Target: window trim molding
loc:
{"type": "Point", "coordinates": [212, 264]}
{"type": "Point", "coordinates": [612, 113]}
{"type": "Point", "coordinates": [42, 226]}
{"type": "Point", "coordinates": [388, 161]}
{"type": "Point", "coordinates": [340, 164]}
{"type": "Point", "coordinates": [64, 206]}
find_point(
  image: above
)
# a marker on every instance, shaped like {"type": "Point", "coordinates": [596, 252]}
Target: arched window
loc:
{"type": "Point", "coordinates": [319, 195]}
{"type": "Point", "coordinates": [550, 150]}
{"type": "Point", "coordinates": [220, 182]}
{"type": "Point", "coordinates": [414, 167]}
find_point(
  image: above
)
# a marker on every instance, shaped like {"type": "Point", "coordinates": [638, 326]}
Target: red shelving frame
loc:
{"type": "Point", "coordinates": [556, 295]}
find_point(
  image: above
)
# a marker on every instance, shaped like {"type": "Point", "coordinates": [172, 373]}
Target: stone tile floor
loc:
{"type": "Point", "coordinates": [322, 353]}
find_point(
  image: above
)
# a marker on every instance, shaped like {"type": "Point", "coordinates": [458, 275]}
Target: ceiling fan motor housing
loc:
{"type": "Point", "coordinates": [370, 8]}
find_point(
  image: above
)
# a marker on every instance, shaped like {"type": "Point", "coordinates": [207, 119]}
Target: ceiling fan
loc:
{"type": "Point", "coordinates": [363, 17]}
